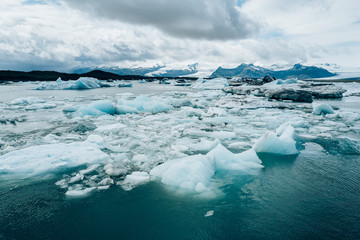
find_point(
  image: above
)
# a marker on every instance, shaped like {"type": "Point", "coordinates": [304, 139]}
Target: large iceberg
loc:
{"type": "Point", "coordinates": [36, 160]}
{"type": "Point", "coordinates": [81, 83]}
{"type": "Point", "coordinates": [224, 159]}
{"type": "Point", "coordinates": [194, 173]}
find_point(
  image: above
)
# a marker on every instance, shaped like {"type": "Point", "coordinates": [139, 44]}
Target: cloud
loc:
{"type": "Point", "coordinates": [196, 19]}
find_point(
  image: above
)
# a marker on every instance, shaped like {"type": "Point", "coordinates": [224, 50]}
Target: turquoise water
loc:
{"type": "Point", "coordinates": [309, 197]}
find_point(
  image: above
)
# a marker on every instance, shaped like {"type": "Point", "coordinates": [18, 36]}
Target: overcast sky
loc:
{"type": "Point", "coordinates": [66, 34]}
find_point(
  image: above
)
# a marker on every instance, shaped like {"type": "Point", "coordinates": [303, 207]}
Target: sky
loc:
{"type": "Point", "coordinates": [64, 35]}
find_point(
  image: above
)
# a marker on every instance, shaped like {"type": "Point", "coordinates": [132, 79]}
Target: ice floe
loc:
{"type": "Point", "coordinates": [49, 158]}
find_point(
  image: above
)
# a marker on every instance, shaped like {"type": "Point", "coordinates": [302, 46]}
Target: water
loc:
{"type": "Point", "coordinates": [311, 197]}
{"type": "Point", "coordinates": [314, 195]}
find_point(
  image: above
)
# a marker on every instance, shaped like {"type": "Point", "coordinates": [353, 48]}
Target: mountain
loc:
{"type": "Point", "coordinates": [17, 76]}
{"type": "Point", "coordinates": [249, 70]}
{"type": "Point", "coordinates": [155, 71]}
{"type": "Point", "coordinates": [140, 71]}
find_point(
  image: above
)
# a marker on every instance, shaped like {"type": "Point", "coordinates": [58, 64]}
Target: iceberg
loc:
{"type": "Point", "coordinates": [194, 173]}
{"type": "Point", "coordinates": [224, 159]}
{"type": "Point", "coordinates": [280, 142]}
{"type": "Point", "coordinates": [191, 173]}
{"type": "Point", "coordinates": [81, 83]}
{"type": "Point", "coordinates": [322, 109]}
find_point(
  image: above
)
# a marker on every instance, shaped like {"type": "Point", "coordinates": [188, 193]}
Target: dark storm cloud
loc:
{"type": "Point", "coordinates": [197, 19]}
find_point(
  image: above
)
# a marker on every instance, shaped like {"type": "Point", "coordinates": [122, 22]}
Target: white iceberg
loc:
{"type": "Point", "coordinates": [323, 108]}
{"type": "Point", "coordinates": [81, 83]}
{"type": "Point", "coordinates": [194, 173]}
{"type": "Point", "coordinates": [280, 142]}
{"type": "Point", "coordinates": [224, 159]}
{"type": "Point", "coordinates": [191, 173]}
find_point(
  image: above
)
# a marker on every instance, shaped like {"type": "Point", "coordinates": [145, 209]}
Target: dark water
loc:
{"type": "Point", "coordinates": [313, 196]}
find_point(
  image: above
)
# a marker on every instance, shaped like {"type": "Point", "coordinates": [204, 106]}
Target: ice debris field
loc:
{"type": "Point", "coordinates": [180, 137]}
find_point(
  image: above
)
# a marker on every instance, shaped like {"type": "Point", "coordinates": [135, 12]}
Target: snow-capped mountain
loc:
{"type": "Point", "coordinates": [155, 71]}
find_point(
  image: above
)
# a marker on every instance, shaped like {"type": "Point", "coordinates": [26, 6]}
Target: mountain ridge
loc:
{"type": "Point", "coordinates": [251, 71]}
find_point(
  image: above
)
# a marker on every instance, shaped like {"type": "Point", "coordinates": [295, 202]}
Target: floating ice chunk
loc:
{"type": "Point", "coordinates": [106, 181]}
{"type": "Point", "coordinates": [135, 179]}
{"type": "Point", "coordinates": [81, 83]}
{"type": "Point", "coordinates": [79, 192]}
{"type": "Point", "coordinates": [191, 173]}
{"type": "Point", "coordinates": [77, 178]}
{"type": "Point", "coordinates": [322, 109]}
{"type": "Point", "coordinates": [27, 101]}
{"type": "Point", "coordinates": [62, 183]}
{"type": "Point", "coordinates": [38, 106]}
{"type": "Point", "coordinates": [41, 159]}
{"type": "Point", "coordinates": [224, 159]}
{"type": "Point", "coordinates": [115, 172]}
{"type": "Point", "coordinates": [209, 213]}
{"type": "Point", "coordinates": [281, 142]}
{"type": "Point", "coordinates": [90, 169]}
{"type": "Point", "coordinates": [103, 187]}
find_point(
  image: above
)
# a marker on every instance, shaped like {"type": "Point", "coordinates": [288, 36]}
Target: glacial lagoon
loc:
{"type": "Point", "coordinates": [166, 162]}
